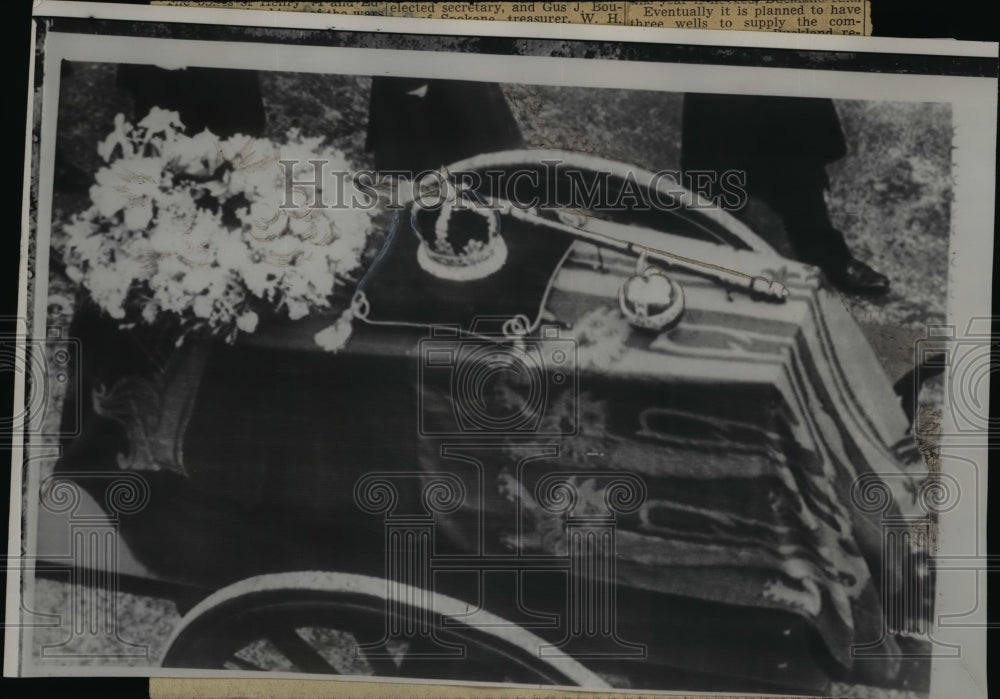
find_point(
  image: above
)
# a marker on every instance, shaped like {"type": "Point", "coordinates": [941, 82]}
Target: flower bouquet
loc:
{"type": "Point", "coordinates": [211, 234]}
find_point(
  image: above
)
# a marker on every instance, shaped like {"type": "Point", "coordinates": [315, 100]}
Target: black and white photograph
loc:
{"type": "Point", "coordinates": [465, 352]}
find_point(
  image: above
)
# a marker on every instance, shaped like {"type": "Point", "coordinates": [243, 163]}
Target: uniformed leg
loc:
{"type": "Point", "coordinates": [795, 190]}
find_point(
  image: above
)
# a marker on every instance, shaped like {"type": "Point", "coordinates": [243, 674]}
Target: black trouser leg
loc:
{"type": "Point", "coordinates": [796, 193]}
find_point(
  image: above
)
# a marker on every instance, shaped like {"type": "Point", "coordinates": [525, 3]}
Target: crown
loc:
{"type": "Point", "coordinates": [460, 238]}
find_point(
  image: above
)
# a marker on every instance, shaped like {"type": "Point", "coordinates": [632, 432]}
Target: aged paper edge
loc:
{"type": "Point", "coordinates": [201, 688]}
{"type": "Point", "coordinates": [205, 13]}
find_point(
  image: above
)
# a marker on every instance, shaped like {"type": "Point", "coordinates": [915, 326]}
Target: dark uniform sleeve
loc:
{"type": "Point", "coordinates": [783, 145]}
{"type": "Point", "coordinates": [224, 101]}
{"type": "Point", "coordinates": [416, 124]}
{"type": "Point", "coordinates": [753, 132]}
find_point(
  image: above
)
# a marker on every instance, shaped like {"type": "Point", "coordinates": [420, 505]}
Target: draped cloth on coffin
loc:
{"type": "Point", "coordinates": [749, 423]}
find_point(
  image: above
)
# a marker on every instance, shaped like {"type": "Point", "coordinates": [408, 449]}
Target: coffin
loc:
{"type": "Point", "coordinates": [747, 458]}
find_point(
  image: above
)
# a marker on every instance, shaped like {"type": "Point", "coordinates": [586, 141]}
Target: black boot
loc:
{"type": "Point", "coordinates": [857, 278]}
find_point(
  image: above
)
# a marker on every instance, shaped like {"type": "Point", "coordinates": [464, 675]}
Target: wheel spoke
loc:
{"type": "Point", "coordinates": [299, 652]}
{"type": "Point", "coordinates": [242, 664]}
{"type": "Point", "coordinates": [291, 631]}
{"type": "Point", "coordinates": [382, 665]}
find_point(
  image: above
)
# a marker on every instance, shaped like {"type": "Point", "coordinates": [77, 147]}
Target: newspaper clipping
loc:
{"type": "Point", "coordinates": [848, 17]}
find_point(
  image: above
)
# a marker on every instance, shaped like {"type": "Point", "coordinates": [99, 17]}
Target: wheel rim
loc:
{"type": "Point", "coordinates": [328, 623]}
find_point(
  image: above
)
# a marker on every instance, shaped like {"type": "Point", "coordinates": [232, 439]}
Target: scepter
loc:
{"type": "Point", "coordinates": [771, 289]}
{"type": "Point", "coordinates": [762, 286]}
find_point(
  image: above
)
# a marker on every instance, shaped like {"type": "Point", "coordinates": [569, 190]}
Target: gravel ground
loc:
{"type": "Point", "coordinates": [890, 195]}
{"type": "Point", "coordinates": [144, 625]}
